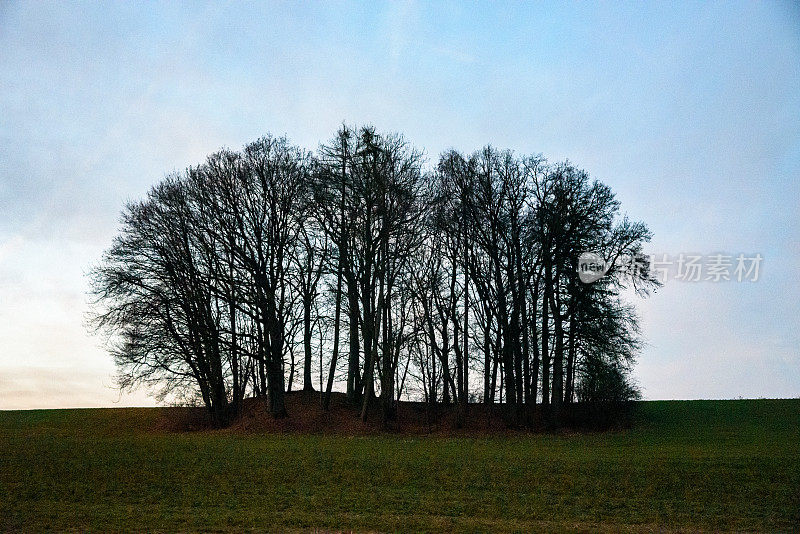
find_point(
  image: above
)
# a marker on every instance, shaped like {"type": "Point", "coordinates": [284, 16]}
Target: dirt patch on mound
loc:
{"type": "Point", "coordinates": [306, 416]}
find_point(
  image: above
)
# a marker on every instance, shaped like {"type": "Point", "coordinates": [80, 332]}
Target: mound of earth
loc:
{"type": "Point", "coordinates": [306, 416]}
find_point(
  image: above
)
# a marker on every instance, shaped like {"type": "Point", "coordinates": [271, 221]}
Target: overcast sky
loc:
{"type": "Point", "coordinates": [691, 115]}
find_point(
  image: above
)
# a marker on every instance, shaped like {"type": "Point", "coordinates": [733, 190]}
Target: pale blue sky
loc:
{"type": "Point", "coordinates": [690, 112]}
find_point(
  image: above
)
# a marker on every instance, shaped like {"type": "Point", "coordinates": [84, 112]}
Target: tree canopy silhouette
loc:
{"type": "Point", "coordinates": [453, 284]}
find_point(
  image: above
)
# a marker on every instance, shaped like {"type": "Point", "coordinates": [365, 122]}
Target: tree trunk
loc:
{"type": "Point", "coordinates": [546, 334]}
{"type": "Point", "coordinates": [558, 363]}
{"type": "Point", "coordinates": [326, 399]}
{"type": "Point", "coordinates": [536, 354]}
{"type": "Point", "coordinates": [354, 383]}
{"type": "Point", "coordinates": [308, 382]}
{"type": "Point", "coordinates": [571, 350]}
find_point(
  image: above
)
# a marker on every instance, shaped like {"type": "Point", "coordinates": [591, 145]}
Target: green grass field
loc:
{"type": "Point", "coordinates": [695, 465]}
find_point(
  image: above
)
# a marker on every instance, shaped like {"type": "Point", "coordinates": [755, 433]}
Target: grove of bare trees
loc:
{"type": "Point", "coordinates": [360, 268]}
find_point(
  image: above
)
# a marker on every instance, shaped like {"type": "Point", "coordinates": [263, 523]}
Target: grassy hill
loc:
{"type": "Point", "coordinates": [688, 465]}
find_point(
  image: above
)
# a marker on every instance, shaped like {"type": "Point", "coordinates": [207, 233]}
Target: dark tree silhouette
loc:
{"type": "Point", "coordinates": [458, 282]}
